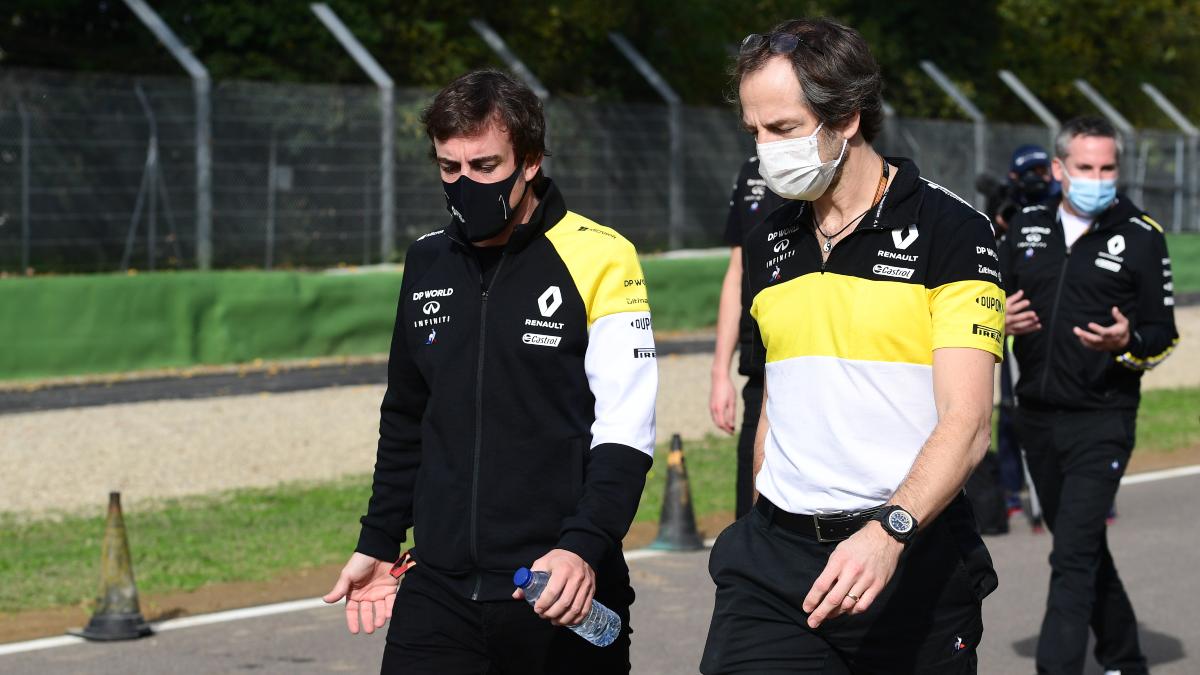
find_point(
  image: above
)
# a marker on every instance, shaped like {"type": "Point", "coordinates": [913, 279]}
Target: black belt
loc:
{"type": "Point", "coordinates": [823, 528]}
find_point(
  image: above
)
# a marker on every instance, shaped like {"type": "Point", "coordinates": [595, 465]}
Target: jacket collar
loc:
{"type": "Point", "coordinates": [1121, 210]}
{"type": "Point", "coordinates": [899, 207]}
{"type": "Point", "coordinates": [901, 204]}
{"type": "Point", "coordinates": [551, 208]}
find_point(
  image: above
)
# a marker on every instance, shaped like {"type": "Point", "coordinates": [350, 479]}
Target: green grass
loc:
{"type": "Point", "coordinates": [684, 292]}
{"type": "Point", "coordinates": [71, 325]}
{"type": "Point", "coordinates": [241, 535]}
{"type": "Point", "coordinates": [1185, 261]}
{"type": "Point", "coordinates": [1169, 419]}
{"type": "Point", "coordinates": [257, 534]}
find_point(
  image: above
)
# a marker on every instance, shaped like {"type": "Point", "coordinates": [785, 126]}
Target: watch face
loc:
{"type": "Point", "coordinates": [900, 521]}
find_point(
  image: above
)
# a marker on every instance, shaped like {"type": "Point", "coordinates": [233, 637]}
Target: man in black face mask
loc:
{"type": "Point", "coordinates": [518, 423]}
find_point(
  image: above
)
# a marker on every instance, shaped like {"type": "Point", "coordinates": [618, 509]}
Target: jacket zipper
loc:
{"type": "Point", "coordinates": [1051, 339]}
{"type": "Point", "coordinates": [479, 422]}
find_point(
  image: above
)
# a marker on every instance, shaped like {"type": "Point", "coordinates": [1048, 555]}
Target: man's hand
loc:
{"type": "Point", "coordinates": [722, 402]}
{"type": "Point", "coordinates": [1114, 338]}
{"type": "Point", "coordinates": [567, 598]}
{"type": "Point", "coordinates": [369, 589]}
{"type": "Point", "coordinates": [1017, 319]}
{"type": "Point", "coordinates": [861, 566]}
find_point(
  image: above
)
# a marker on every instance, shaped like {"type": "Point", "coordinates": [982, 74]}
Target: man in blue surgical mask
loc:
{"type": "Point", "coordinates": [1090, 303]}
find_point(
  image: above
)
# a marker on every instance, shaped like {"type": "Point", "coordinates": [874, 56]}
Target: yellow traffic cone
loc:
{"type": "Point", "coordinates": [117, 615]}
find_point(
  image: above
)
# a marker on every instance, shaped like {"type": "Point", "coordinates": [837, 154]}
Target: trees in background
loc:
{"type": "Point", "coordinates": [426, 42]}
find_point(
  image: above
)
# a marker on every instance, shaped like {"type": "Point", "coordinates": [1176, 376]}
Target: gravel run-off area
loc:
{"type": "Point", "coordinates": [68, 460]}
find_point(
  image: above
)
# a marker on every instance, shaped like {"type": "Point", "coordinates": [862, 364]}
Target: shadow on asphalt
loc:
{"type": "Point", "coordinates": [1159, 648]}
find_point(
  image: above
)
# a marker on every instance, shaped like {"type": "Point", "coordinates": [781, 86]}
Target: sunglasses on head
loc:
{"type": "Point", "coordinates": [779, 43]}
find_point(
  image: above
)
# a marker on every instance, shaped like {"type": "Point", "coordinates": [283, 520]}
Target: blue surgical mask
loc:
{"type": "Point", "coordinates": [1091, 196]}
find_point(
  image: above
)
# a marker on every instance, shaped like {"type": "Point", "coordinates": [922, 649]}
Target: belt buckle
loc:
{"type": "Point", "coordinates": [817, 528]}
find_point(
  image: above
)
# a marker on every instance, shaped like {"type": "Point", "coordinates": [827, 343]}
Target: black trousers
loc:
{"type": "Point", "coordinates": [1076, 460]}
{"type": "Point", "coordinates": [436, 632]}
{"type": "Point", "coordinates": [752, 401]}
{"type": "Point", "coordinates": [927, 620]}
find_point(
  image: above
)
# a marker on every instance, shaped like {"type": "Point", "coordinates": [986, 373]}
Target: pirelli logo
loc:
{"type": "Point", "coordinates": [986, 332]}
{"type": "Point", "coordinates": [644, 353]}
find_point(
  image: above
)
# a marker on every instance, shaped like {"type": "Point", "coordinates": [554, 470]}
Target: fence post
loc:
{"type": "Point", "coordinates": [272, 185]}
{"type": "Point", "coordinates": [1033, 103]}
{"type": "Point", "coordinates": [201, 89]}
{"type": "Point", "coordinates": [1193, 136]}
{"type": "Point", "coordinates": [971, 111]}
{"type": "Point", "coordinates": [25, 178]}
{"type": "Point", "coordinates": [675, 131]}
{"type": "Point", "coordinates": [387, 124]}
{"type": "Point", "coordinates": [518, 67]}
{"type": "Point", "coordinates": [1123, 126]}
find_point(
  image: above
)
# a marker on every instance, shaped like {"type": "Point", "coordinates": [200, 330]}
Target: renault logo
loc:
{"type": "Point", "coordinates": [903, 240]}
{"type": "Point", "coordinates": [550, 301]}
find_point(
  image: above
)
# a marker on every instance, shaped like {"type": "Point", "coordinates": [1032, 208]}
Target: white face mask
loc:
{"type": "Point", "coordinates": [793, 167]}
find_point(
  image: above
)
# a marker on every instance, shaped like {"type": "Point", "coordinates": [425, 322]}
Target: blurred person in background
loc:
{"type": "Point", "coordinates": [749, 204]}
{"type": "Point", "coordinates": [1091, 307]}
{"type": "Point", "coordinates": [518, 423]}
{"type": "Point", "coordinates": [1030, 181]}
{"type": "Point", "coordinates": [860, 553]}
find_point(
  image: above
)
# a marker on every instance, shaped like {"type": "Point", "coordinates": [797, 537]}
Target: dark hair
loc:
{"type": "Point", "coordinates": [1087, 125]}
{"type": "Point", "coordinates": [837, 72]}
{"type": "Point", "coordinates": [472, 101]}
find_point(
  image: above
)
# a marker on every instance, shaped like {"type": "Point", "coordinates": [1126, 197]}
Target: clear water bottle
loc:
{"type": "Point", "coordinates": [601, 626]}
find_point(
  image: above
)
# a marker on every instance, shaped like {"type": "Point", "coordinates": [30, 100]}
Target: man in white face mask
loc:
{"type": "Point", "coordinates": [877, 297]}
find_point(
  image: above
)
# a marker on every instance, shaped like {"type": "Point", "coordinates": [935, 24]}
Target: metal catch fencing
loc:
{"type": "Point", "coordinates": [97, 173]}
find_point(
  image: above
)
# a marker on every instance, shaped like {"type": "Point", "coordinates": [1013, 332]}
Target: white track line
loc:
{"type": "Point", "coordinates": [43, 643]}
{"type": "Point", "coordinates": [1151, 476]}
{"type": "Point", "coordinates": [314, 603]}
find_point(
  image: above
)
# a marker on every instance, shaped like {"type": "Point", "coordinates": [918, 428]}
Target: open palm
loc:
{"type": "Point", "coordinates": [370, 591]}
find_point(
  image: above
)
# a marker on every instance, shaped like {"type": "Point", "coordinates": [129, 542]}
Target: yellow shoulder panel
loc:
{"type": "Point", "coordinates": [603, 264]}
{"type": "Point", "coordinates": [1153, 222]}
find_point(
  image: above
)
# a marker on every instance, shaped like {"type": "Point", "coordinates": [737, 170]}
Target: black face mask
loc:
{"type": "Point", "coordinates": [481, 209]}
{"type": "Point", "coordinates": [1033, 188]}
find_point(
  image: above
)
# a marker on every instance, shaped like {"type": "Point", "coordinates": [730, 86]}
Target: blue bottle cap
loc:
{"type": "Point", "coordinates": [522, 577]}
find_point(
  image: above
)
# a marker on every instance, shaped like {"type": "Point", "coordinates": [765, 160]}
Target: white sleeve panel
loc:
{"type": "Point", "coordinates": [622, 371]}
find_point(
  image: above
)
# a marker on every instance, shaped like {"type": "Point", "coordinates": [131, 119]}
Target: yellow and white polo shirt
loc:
{"type": "Point", "coordinates": [850, 342]}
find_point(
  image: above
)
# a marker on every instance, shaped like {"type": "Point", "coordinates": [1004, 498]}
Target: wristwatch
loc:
{"type": "Point", "coordinates": [898, 523]}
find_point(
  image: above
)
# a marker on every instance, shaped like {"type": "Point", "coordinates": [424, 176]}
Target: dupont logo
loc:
{"type": "Point", "coordinates": [986, 332]}
{"type": "Point", "coordinates": [541, 340]}
{"type": "Point", "coordinates": [890, 271]}
{"type": "Point", "coordinates": [642, 323]}
{"type": "Point", "coordinates": [644, 353]}
{"type": "Point", "coordinates": [988, 302]}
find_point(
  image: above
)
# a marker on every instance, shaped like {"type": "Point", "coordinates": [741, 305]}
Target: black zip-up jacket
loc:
{"type": "Point", "coordinates": [1120, 261]}
{"type": "Point", "coordinates": [519, 415]}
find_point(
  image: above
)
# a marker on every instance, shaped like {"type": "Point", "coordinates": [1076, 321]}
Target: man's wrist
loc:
{"type": "Point", "coordinates": [897, 522]}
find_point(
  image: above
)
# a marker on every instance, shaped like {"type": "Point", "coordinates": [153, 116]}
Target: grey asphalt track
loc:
{"type": "Point", "coordinates": [1155, 543]}
{"type": "Point", "coordinates": [262, 379]}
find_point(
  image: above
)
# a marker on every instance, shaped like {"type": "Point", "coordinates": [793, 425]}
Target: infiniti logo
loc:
{"type": "Point", "coordinates": [432, 307]}
{"type": "Point", "coordinates": [782, 245]}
